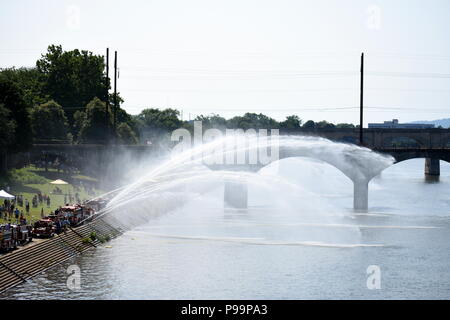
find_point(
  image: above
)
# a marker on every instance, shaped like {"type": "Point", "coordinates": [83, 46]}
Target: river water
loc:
{"type": "Point", "coordinates": [278, 249]}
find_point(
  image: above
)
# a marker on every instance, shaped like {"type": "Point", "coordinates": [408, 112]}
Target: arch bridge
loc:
{"type": "Point", "coordinates": [401, 144]}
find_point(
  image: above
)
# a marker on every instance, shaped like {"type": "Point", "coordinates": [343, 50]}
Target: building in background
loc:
{"type": "Point", "coordinates": [394, 124]}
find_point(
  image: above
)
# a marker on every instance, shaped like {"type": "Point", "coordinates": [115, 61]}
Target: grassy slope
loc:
{"type": "Point", "coordinates": [30, 180]}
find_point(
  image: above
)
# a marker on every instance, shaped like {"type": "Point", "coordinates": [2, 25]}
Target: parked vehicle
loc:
{"type": "Point", "coordinates": [24, 234]}
{"type": "Point", "coordinates": [73, 214]}
{"type": "Point", "coordinates": [8, 238]}
{"type": "Point", "coordinates": [44, 228]}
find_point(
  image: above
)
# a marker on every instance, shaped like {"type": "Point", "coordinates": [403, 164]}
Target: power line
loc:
{"type": "Point", "coordinates": [242, 76]}
{"type": "Point", "coordinates": [305, 108]}
{"type": "Point", "coordinates": [223, 74]}
{"type": "Point", "coordinates": [409, 74]}
{"type": "Point", "coordinates": [299, 91]}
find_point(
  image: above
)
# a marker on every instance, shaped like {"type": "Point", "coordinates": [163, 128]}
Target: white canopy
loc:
{"type": "Point", "coordinates": [59, 181]}
{"type": "Point", "coordinates": [6, 195]}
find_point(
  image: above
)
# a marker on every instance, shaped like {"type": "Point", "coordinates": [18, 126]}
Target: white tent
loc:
{"type": "Point", "coordinates": [6, 195]}
{"type": "Point", "coordinates": [59, 181]}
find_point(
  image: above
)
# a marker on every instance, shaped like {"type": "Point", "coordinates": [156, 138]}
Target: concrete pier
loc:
{"type": "Point", "coordinates": [235, 194]}
{"type": "Point", "coordinates": [360, 195]}
{"type": "Point", "coordinates": [432, 167]}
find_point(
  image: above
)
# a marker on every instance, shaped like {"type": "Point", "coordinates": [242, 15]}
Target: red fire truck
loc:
{"type": "Point", "coordinates": [44, 228]}
{"type": "Point", "coordinates": [8, 238]}
{"type": "Point", "coordinates": [24, 234]}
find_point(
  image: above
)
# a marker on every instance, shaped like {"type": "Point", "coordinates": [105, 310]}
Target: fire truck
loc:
{"type": "Point", "coordinates": [44, 228]}
{"type": "Point", "coordinates": [8, 238]}
{"type": "Point", "coordinates": [24, 234]}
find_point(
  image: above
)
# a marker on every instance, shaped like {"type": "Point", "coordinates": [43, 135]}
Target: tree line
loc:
{"type": "Point", "coordinates": [155, 124]}
{"type": "Point", "coordinates": [64, 98]}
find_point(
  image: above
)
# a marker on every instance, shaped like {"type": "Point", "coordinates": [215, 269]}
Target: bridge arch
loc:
{"type": "Point", "coordinates": [403, 175]}
{"type": "Point", "coordinates": [413, 155]}
{"type": "Point", "coordinates": [308, 158]}
{"type": "Point", "coordinates": [360, 165]}
{"type": "Point", "coordinates": [426, 155]}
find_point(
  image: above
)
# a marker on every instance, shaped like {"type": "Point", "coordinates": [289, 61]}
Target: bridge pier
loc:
{"type": "Point", "coordinates": [432, 168]}
{"type": "Point", "coordinates": [360, 195]}
{"type": "Point", "coordinates": [235, 194]}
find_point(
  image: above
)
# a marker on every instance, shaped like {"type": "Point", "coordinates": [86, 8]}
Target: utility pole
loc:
{"type": "Point", "coordinates": [107, 96]}
{"type": "Point", "coordinates": [115, 97]}
{"type": "Point", "coordinates": [361, 101]}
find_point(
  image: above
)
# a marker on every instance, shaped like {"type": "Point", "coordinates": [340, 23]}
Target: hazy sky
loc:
{"type": "Point", "coordinates": [277, 57]}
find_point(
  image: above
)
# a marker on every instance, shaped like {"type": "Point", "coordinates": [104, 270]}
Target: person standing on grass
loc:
{"type": "Point", "coordinates": [27, 208]}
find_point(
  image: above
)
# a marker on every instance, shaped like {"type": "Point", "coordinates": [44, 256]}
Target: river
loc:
{"type": "Point", "coordinates": [278, 250]}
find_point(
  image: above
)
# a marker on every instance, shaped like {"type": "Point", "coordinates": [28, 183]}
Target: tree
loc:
{"type": "Point", "coordinates": [29, 81]}
{"type": "Point", "coordinates": [125, 134]}
{"type": "Point", "coordinates": [91, 125]}
{"type": "Point", "coordinates": [72, 78]}
{"type": "Point", "coordinates": [79, 119]}
{"type": "Point", "coordinates": [48, 121]}
{"type": "Point", "coordinates": [11, 97]}
{"type": "Point", "coordinates": [94, 128]}
{"type": "Point", "coordinates": [131, 121]}
{"type": "Point", "coordinates": [155, 123]}
{"type": "Point", "coordinates": [212, 121]}
{"type": "Point", "coordinates": [291, 122]}
{"type": "Point", "coordinates": [345, 125]}
{"type": "Point", "coordinates": [7, 129]}
{"type": "Point", "coordinates": [324, 125]}
{"type": "Point", "coordinates": [252, 120]}
{"type": "Point", "coordinates": [309, 125]}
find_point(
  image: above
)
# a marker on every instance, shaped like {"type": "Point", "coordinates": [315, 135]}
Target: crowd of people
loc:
{"type": "Point", "coordinates": [9, 211]}
{"type": "Point", "coordinates": [40, 198]}
{"type": "Point", "coordinates": [17, 209]}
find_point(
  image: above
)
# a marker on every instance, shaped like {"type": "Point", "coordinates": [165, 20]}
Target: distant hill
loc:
{"type": "Point", "coordinates": [445, 123]}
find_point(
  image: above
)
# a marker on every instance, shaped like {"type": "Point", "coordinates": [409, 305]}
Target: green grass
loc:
{"type": "Point", "coordinates": [29, 180]}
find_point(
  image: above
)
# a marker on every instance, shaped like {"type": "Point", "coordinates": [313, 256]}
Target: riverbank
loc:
{"type": "Point", "coordinates": [20, 265]}
{"type": "Point", "coordinates": [31, 181]}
